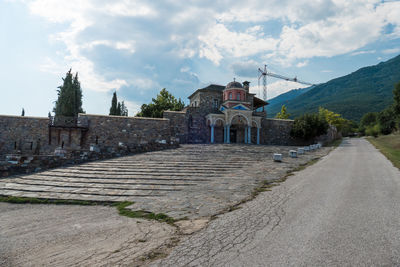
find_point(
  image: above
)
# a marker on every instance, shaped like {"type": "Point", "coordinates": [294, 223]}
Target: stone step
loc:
{"type": "Point", "coordinates": [107, 181]}
{"type": "Point", "coordinates": [77, 191]}
{"type": "Point", "coordinates": [119, 177]}
{"type": "Point", "coordinates": [68, 196]}
{"type": "Point", "coordinates": [55, 184]}
{"type": "Point", "coordinates": [149, 174]}
{"type": "Point", "coordinates": [143, 171]}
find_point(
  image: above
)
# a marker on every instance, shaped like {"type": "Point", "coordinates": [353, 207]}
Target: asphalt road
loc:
{"type": "Point", "coordinates": [342, 211]}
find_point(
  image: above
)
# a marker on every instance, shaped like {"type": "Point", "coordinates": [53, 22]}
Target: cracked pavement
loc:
{"type": "Point", "coordinates": [344, 210]}
{"type": "Point", "coordinates": [68, 235]}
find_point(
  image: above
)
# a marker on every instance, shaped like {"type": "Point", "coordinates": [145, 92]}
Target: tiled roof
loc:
{"type": "Point", "coordinates": [211, 87]}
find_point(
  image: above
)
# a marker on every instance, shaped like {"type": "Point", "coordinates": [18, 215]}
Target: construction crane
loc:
{"type": "Point", "coordinates": [264, 73]}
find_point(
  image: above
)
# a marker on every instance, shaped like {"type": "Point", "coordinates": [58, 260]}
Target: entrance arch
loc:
{"type": "Point", "coordinates": [239, 129]}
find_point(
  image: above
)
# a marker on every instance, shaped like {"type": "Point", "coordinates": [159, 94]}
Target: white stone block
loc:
{"type": "Point", "coordinates": [277, 157]}
{"type": "Point", "coordinates": [293, 153]}
{"type": "Point", "coordinates": [94, 148]}
{"type": "Point", "coordinates": [300, 151]}
{"type": "Point", "coordinates": [59, 152]}
{"type": "Point", "coordinates": [306, 148]}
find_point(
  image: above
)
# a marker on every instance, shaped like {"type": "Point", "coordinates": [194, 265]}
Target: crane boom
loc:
{"type": "Point", "coordinates": [287, 79]}
{"type": "Point", "coordinates": [264, 73]}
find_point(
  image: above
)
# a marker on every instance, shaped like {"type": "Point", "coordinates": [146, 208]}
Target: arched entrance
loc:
{"type": "Point", "coordinates": [238, 130]}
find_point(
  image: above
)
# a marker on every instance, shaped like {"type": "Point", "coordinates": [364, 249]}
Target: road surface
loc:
{"type": "Point", "coordinates": [344, 210]}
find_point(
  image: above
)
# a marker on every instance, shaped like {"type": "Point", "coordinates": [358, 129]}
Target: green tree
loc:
{"type": "Point", "coordinates": [124, 109]}
{"type": "Point", "coordinates": [118, 108]}
{"type": "Point", "coordinates": [23, 112]}
{"type": "Point", "coordinates": [69, 101]}
{"type": "Point", "coordinates": [114, 105]}
{"type": "Point", "coordinates": [368, 119]}
{"type": "Point", "coordinates": [387, 120]}
{"type": "Point", "coordinates": [283, 114]}
{"type": "Point", "coordinates": [309, 126]}
{"type": "Point", "coordinates": [396, 98]}
{"type": "Point", "coordinates": [163, 101]}
{"type": "Point", "coordinates": [332, 118]}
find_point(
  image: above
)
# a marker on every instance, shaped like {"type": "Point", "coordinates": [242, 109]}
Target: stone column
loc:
{"type": "Point", "coordinates": [228, 134]}
{"type": "Point", "coordinates": [245, 135]}
{"type": "Point", "coordinates": [212, 134]}
{"type": "Point", "coordinates": [249, 135]}
{"type": "Point", "coordinates": [258, 136]}
{"type": "Point", "coordinates": [224, 134]}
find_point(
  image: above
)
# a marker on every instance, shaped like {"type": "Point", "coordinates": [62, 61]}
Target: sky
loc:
{"type": "Point", "coordinates": [139, 47]}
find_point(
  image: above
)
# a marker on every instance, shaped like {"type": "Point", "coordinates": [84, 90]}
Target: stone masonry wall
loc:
{"type": "Point", "coordinates": [118, 131]}
{"type": "Point", "coordinates": [178, 125]}
{"type": "Point", "coordinates": [23, 134]}
{"type": "Point", "coordinates": [198, 131]}
{"type": "Point", "coordinates": [277, 132]}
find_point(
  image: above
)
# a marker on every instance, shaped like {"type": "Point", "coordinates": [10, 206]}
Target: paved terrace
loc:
{"type": "Point", "coordinates": [193, 180]}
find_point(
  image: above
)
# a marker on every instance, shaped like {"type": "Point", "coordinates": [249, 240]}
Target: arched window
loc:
{"type": "Point", "coordinates": [230, 96]}
{"type": "Point", "coordinates": [238, 96]}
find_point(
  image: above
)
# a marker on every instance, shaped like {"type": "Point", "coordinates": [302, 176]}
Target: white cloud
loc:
{"type": "Point", "coordinates": [118, 45]}
{"type": "Point", "coordinates": [391, 51]}
{"type": "Point", "coordinates": [129, 9]}
{"type": "Point", "coordinates": [50, 66]}
{"type": "Point", "coordinates": [80, 15]}
{"type": "Point", "coordinates": [133, 107]}
{"type": "Point", "coordinates": [235, 31]}
{"type": "Point", "coordinates": [145, 84]}
{"type": "Point", "coordinates": [219, 41]}
{"type": "Point", "coordinates": [302, 64]}
{"type": "Point", "coordinates": [321, 28]}
{"type": "Point", "coordinates": [363, 52]}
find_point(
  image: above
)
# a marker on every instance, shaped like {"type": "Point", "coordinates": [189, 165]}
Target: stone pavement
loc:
{"type": "Point", "coordinates": [192, 181]}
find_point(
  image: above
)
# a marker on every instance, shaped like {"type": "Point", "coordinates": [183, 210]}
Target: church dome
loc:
{"type": "Point", "coordinates": [234, 84]}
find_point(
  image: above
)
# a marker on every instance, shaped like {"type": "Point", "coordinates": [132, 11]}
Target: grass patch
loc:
{"type": "Point", "coordinates": [121, 206]}
{"type": "Point", "coordinates": [31, 200]}
{"type": "Point", "coordinates": [122, 210]}
{"type": "Point", "coordinates": [388, 145]}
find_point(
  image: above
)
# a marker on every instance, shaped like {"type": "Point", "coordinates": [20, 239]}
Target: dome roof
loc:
{"type": "Point", "coordinates": [234, 84]}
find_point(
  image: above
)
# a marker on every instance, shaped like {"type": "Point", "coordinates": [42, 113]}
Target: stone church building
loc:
{"type": "Point", "coordinates": [228, 114]}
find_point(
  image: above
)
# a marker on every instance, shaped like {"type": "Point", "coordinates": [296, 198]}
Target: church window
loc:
{"type": "Point", "coordinates": [215, 103]}
{"type": "Point", "coordinates": [230, 96]}
{"type": "Point", "coordinates": [238, 96]}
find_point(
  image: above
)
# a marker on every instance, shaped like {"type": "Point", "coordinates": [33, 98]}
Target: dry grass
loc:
{"type": "Point", "coordinates": [389, 145]}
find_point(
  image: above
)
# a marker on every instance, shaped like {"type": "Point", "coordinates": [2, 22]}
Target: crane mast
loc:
{"type": "Point", "coordinates": [264, 73]}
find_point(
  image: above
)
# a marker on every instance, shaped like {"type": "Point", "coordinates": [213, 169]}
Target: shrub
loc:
{"type": "Point", "coordinates": [373, 130]}
{"type": "Point", "coordinates": [387, 120]}
{"type": "Point", "coordinates": [309, 126]}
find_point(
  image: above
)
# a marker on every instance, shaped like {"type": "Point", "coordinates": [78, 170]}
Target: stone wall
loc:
{"type": "Point", "coordinates": [23, 134]}
{"type": "Point", "coordinates": [112, 132]}
{"type": "Point", "coordinates": [277, 132]}
{"type": "Point", "coordinates": [178, 121]}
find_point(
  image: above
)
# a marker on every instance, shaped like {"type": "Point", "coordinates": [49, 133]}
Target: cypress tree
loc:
{"type": "Point", "coordinates": [114, 105]}
{"type": "Point", "coordinates": [119, 109]}
{"type": "Point", "coordinates": [124, 109]}
{"type": "Point", "coordinates": [69, 102]}
{"type": "Point", "coordinates": [23, 112]}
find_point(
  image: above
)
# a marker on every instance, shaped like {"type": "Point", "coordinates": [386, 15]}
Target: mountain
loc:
{"type": "Point", "coordinates": [368, 89]}
{"type": "Point", "coordinates": [276, 103]}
